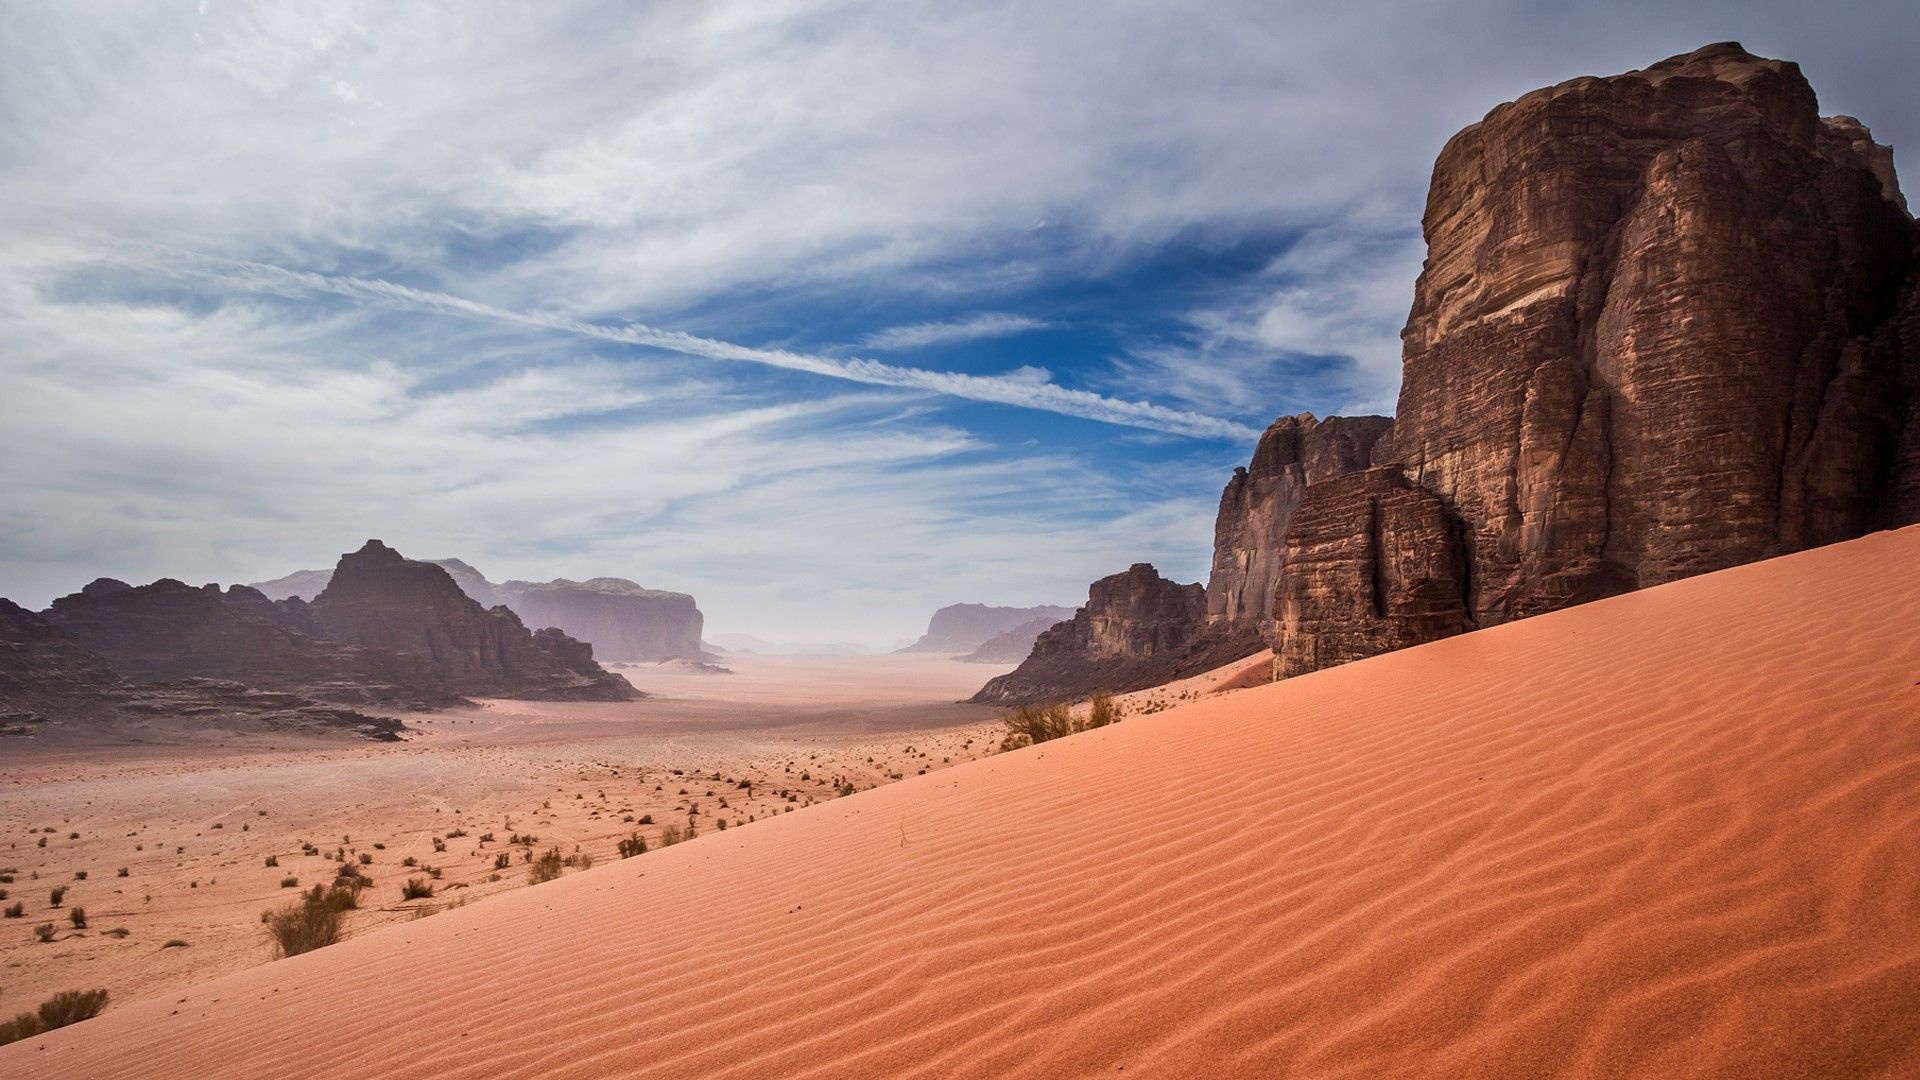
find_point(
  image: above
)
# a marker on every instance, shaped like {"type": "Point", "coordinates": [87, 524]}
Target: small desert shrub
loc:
{"type": "Point", "coordinates": [44, 932]}
{"type": "Point", "coordinates": [122, 872]}
{"type": "Point", "coordinates": [547, 866]}
{"type": "Point", "coordinates": [409, 861]}
{"type": "Point", "coordinates": [1102, 710]}
{"type": "Point", "coordinates": [68, 1007]}
{"type": "Point", "coordinates": [646, 819]}
{"type": "Point", "coordinates": [415, 889]}
{"type": "Point", "coordinates": [311, 924]}
{"type": "Point", "coordinates": [290, 882]}
{"type": "Point", "coordinates": [59, 895]}
{"type": "Point", "coordinates": [439, 844]}
{"type": "Point", "coordinates": [174, 943]}
{"type": "Point", "coordinates": [1030, 724]}
{"type": "Point", "coordinates": [633, 845]}
{"type": "Point", "coordinates": [846, 788]}
{"type": "Point", "coordinates": [78, 916]}
{"type": "Point", "coordinates": [456, 834]}
{"type": "Point", "coordinates": [16, 909]}
{"type": "Point", "coordinates": [79, 875]}
{"type": "Point", "coordinates": [671, 835]}
{"type": "Point", "coordinates": [501, 860]}
{"type": "Point", "coordinates": [432, 872]}
{"type": "Point", "coordinates": [366, 859]}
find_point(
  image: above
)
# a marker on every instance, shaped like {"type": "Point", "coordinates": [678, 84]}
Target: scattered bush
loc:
{"type": "Point", "coordinates": [646, 819]}
{"type": "Point", "coordinates": [546, 867]}
{"type": "Point", "coordinates": [501, 860]}
{"type": "Point", "coordinates": [79, 875]}
{"type": "Point", "coordinates": [1030, 724]}
{"type": "Point", "coordinates": [415, 889]}
{"type": "Point", "coordinates": [44, 932]}
{"type": "Point", "coordinates": [366, 859]}
{"type": "Point", "coordinates": [78, 916]}
{"type": "Point", "coordinates": [67, 1007]}
{"type": "Point", "coordinates": [16, 909]}
{"type": "Point", "coordinates": [633, 845]}
{"type": "Point", "coordinates": [313, 923]}
{"type": "Point", "coordinates": [671, 835]}
{"type": "Point", "coordinates": [59, 895]}
{"type": "Point", "coordinates": [409, 861]}
{"type": "Point", "coordinates": [289, 882]}
{"type": "Point", "coordinates": [122, 872]}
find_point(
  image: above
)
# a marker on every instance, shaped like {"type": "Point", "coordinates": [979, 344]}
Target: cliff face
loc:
{"type": "Point", "coordinates": [50, 683]}
{"type": "Point", "coordinates": [1259, 503]}
{"type": "Point", "coordinates": [621, 620]}
{"type": "Point", "coordinates": [959, 628]}
{"type": "Point", "coordinates": [379, 599]}
{"type": "Point", "coordinates": [169, 631]}
{"type": "Point", "coordinates": [1135, 629]}
{"type": "Point", "coordinates": [1011, 646]}
{"type": "Point", "coordinates": [1661, 331]}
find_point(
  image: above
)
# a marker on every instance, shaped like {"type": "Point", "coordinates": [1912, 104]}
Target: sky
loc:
{"type": "Point", "coordinates": [828, 313]}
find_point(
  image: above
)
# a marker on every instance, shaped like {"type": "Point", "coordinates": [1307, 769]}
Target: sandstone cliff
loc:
{"type": "Point", "coordinates": [1136, 629]}
{"type": "Point", "coordinates": [1258, 506]}
{"type": "Point", "coordinates": [379, 599]}
{"type": "Point", "coordinates": [1011, 646]}
{"type": "Point", "coordinates": [959, 628]}
{"type": "Point", "coordinates": [52, 686]}
{"type": "Point", "coordinates": [623, 621]}
{"type": "Point", "coordinates": [169, 631]}
{"type": "Point", "coordinates": [1661, 330]}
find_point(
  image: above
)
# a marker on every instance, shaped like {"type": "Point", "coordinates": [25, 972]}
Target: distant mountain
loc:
{"type": "Point", "coordinates": [747, 643]}
{"type": "Point", "coordinates": [1012, 646]}
{"type": "Point", "coordinates": [623, 621]}
{"type": "Point", "coordinates": [959, 628]}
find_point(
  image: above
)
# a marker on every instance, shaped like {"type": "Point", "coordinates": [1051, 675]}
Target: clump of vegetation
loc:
{"type": "Point", "coordinates": [671, 835]}
{"type": "Point", "coordinates": [1030, 724]}
{"type": "Point", "coordinates": [174, 943]}
{"type": "Point", "coordinates": [67, 1007]}
{"type": "Point", "coordinates": [16, 909]}
{"type": "Point", "coordinates": [501, 860]}
{"type": "Point", "coordinates": [290, 882]}
{"type": "Point", "coordinates": [77, 915]}
{"type": "Point", "coordinates": [312, 923]}
{"type": "Point", "coordinates": [633, 845]}
{"type": "Point", "coordinates": [44, 932]}
{"type": "Point", "coordinates": [547, 867]}
{"type": "Point", "coordinates": [415, 889]}
{"type": "Point", "coordinates": [1102, 710]}
{"type": "Point", "coordinates": [59, 895]}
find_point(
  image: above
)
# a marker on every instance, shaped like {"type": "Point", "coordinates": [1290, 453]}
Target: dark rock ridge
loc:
{"type": "Point", "coordinates": [959, 628]}
{"type": "Point", "coordinates": [169, 631]}
{"type": "Point", "coordinates": [623, 621]}
{"type": "Point", "coordinates": [49, 681]}
{"type": "Point", "coordinates": [1011, 646]}
{"type": "Point", "coordinates": [1258, 506]}
{"type": "Point", "coordinates": [1135, 630]}
{"type": "Point", "coordinates": [1666, 326]}
{"type": "Point", "coordinates": [379, 599]}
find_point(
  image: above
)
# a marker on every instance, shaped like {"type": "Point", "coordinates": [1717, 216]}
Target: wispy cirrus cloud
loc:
{"type": "Point", "coordinates": [979, 327]}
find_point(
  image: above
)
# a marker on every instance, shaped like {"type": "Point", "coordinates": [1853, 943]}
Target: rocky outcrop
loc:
{"type": "Point", "coordinates": [959, 628]}
{"type": "Point", "coordinates": [1136, 630]}
{"type": "Point", "coordinates": [1258, 506]}
{"type": "Point", "coordinates": [379, 599]}
{"type": "Point", "coordinates": [1011, 646]}
{"type": "Point", "coordinates": [169, 631]}
{"type": "Point", "coordinates": [1374, 563]}
{"type": "Point", "coordinates": [51, 683]}
{"type": "Point", "coordinates": [1660, 331]}
{"type": "Point", "coordinates": [624, 621]}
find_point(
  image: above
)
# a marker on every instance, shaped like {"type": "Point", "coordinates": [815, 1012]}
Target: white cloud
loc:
{"type": "Point", "coordinates": [978, 327]}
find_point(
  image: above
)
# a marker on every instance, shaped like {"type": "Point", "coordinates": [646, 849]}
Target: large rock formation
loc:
{"type": "Point", "coordinates": [1136, 629]}
{"type": "Point", "coordinates": [1258, 506]}
{"type": "Point", "coordinates": [959, 628]}
{"type": "Point", "coordinates": [379, 599]}
{"type": "Point", "coordinates": [170, 631]}
{"type": "Point", "coordinates": [623, 621]}
{"type": "Point", "coordinates": [1011, 646]}
{"type": "Point", "coordinates": [1661, 330]}
{"type": "Point", "coordinates": [50, 682]}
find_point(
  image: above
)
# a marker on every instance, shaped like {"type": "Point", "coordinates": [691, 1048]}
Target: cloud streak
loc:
{"type": "Point", "coordinates": [1020, 389]}
{"type": "Point", "coordinates": [987, 324]}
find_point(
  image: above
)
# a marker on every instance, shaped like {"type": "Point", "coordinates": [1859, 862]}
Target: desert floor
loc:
{"type": "Point", "coordinates": [192, 820]}
{"type": "Point", "coordinates": [1667, 834]}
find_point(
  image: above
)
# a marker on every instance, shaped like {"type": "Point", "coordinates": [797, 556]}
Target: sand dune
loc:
{"type": "Point", "coordinates": [1670, 834]}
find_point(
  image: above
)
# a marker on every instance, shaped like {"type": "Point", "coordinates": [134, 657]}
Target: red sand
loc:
{"type": "Point", "coordinates": [1669, 834]}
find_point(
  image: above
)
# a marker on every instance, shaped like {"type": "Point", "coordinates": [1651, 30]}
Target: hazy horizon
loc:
{"type": "Point", "coordinates": [828, 314]}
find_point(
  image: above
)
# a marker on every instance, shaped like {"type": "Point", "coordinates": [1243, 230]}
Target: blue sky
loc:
{"type": "Point", "coordinates": [829, 313]}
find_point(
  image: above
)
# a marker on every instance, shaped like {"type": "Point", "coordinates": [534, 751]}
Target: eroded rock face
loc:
{"type": "Point", "coordinates": [622, 620]}
{"type": "Point", "coordinates": [169, 631]}
{"type": "Point", "coordinates": [1634, 354]}
{"type": "Point", "coordinates": [1135, 628]}
{"type": "Point", "coordinates": [1258, 505]}
{"type": "Point", "coordinates": [1374, 563]}
{"type": "Point", "coordinates": [1661, 331]}
{"type": "Point", "coordinates": [1011, 646]}
{"type": "Point", "coordinates": [959, 628]}
{"type": "Point", "coordinates": [379, 599]}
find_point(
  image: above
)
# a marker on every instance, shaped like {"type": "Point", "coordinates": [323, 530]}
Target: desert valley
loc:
{"type": "Point", "coordinates": [1565, 722]}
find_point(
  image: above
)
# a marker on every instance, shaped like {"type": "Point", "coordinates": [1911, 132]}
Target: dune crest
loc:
{"type": "Point", "coordinates": [1664, 834]}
